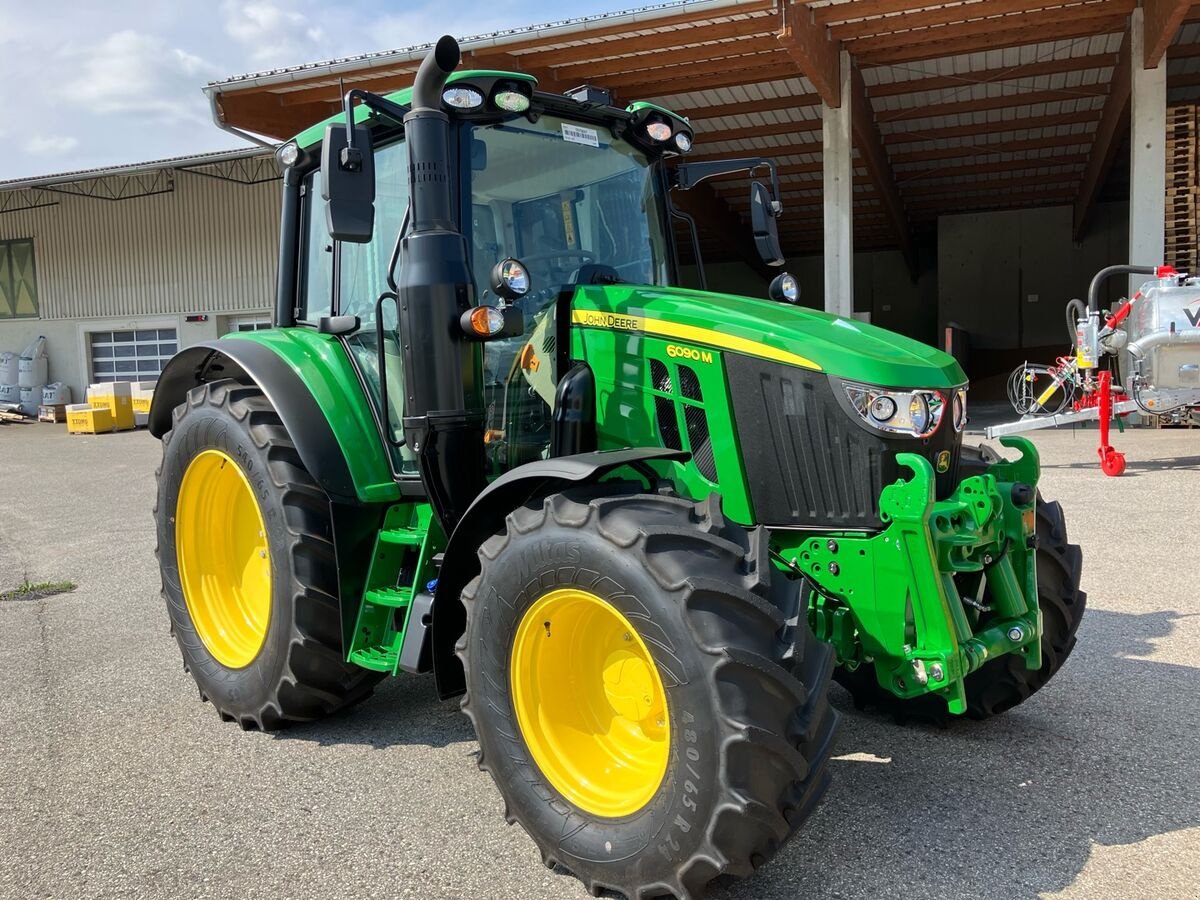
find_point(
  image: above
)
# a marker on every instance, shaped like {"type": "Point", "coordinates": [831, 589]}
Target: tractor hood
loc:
{"type": "Point", "coordinates": [796, 335]}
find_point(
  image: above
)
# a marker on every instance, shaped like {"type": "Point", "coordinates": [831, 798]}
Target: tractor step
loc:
{"type": "Point", "coordinates": [404, 537]}
{"type": "Point", "coordinates": [397, 598]}
{"type": "Point", "coordinates": [378, 659]}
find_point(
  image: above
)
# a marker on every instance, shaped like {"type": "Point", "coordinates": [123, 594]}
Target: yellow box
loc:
{"type": "Point", "coordinates": [116, 398]}
{"type": "Point", "coordinates": [141, 404]}
{"type": "Point", "coordinates": [90, 421]}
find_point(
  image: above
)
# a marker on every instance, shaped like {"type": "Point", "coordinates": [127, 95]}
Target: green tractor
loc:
{"type": "Point", "coordinates": [638, 527]}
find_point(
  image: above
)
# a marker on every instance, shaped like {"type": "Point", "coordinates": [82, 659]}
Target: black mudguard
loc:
{"type": "Point", "coordinates": [486, 516]}
{"type": "Point", "coordinates": [255, 363]}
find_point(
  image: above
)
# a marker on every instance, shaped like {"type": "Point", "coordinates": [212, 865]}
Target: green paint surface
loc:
{"type": "Point", "coordinates": [321, 363]}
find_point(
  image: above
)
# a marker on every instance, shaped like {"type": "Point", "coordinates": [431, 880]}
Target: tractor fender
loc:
{"type": "Point", "coordinates": [485, 516]}
{"type": "Point", "coordinates": [251, 362]}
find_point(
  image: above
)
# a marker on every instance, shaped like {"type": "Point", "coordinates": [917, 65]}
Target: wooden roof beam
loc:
{"type": "Point", "coordinates": [1114, 124]}
{"type": "Point", "coordinates": [1009, 165]}
{"type": "Point", "coordinates": [766, 104]}
{"type": "Point", "coordinates": [874, 158]}
{"type": "Point", "coordinates": [1163, 19]}
{"type": "Point", "coordinates": [1001, 126]}
{"type": "Point", "coordinates": [1033, 28]}
{"type": "Point", "coordinates": [966, 188]}
{"type": "Point", "coordinates": [1007, 101]}
{"type": "Point", "coordinates": [994, 76]}
{"type": "Point", "coordinates": [940, 15]}
{"type": "Point", "coordinates": [970, 151]}
{"type": "Point", "coordinates": [602, 71]}
{"type": "Point", "coordinates": [811, 49]}
{"type": "Point", "coordinates": [789, 149]}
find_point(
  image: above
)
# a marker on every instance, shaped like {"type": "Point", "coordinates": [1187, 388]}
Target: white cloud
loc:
{"type": "Point", "coordinates": [271, 34]}
{"type": "Point", "coordinates": [50, 145]}
{"type": "Point", "coordinates": [139, 74]}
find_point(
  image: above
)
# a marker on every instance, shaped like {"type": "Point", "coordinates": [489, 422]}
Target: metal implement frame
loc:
{"type": "Point", "coordinates": [1090, 414]}
{"type": "Point", "coordinates": [892, 598]}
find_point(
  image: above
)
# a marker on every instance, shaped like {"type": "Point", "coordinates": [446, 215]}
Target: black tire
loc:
{"type": "Point", "coordinates": [1004, 682]}
{"type": "Point", "coordinates": [746, 685]}
{"type": "Point", "coordinates": [299, 674]}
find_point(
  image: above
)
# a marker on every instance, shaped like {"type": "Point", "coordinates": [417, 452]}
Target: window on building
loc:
{"type": "Point", "coordinates": [131, 355]}
{"type": "Point", "coordinates": [248, 323]}
{"type": "Point", "coordinates": [18, 280]}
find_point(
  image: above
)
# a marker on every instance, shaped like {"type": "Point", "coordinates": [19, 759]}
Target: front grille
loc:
{"type": "Point", "coordinates": [809, 460]}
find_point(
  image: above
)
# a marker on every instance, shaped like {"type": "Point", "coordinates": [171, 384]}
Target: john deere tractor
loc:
{"type": "Point", "coordinates": [637, 527]}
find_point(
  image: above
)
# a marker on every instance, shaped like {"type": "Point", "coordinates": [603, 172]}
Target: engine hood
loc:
{"type": "Point", "coordinates": [809, 338]}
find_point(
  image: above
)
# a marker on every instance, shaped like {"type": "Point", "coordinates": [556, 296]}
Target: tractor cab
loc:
{"type": "Point", "coordinates": [548, 191]}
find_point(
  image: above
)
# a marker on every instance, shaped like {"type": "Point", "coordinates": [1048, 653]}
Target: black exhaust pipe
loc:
{"type": "Point", "coordinates": [443, 404]}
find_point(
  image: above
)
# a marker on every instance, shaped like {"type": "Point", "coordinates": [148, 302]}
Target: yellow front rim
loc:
{"type": "Point", "coordinates": [590, 703]}
{"type": "Point", "coordinates": [224, 563]}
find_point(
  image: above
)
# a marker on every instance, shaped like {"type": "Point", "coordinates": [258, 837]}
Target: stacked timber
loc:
{"type": "Point", "coordinates": [1183, 187]}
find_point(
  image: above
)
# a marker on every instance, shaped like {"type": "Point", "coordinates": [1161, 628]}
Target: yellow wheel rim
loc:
{"type": "Point", "coordinates": [224, 563]}
{"type": "Point", "coordinates": [590, 703]}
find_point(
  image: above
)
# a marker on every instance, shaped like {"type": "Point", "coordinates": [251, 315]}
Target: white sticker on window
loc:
{"type": "Point", "coordinates": [577, 134]}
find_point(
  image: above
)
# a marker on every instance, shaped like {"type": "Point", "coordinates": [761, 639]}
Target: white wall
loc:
{"type": "Point", "coordinates": [992, 265]}
{"type": "Point", "coordinates": [208, 247]}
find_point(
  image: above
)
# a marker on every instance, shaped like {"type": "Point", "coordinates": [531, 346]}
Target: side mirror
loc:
{"type": "Point", "coordinates": [762, 224]}
{"type": "Point", "coordinates": [348, 184]}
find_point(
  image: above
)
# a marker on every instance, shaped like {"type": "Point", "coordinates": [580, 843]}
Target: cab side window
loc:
{"type": "Point", "coordinates": [314, 295]}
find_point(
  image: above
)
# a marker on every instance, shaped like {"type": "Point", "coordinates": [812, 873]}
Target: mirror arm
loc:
{"type": "Point", "coordinates": [375, 103]}
{"type": "Point", "coordinates": [688, 175]}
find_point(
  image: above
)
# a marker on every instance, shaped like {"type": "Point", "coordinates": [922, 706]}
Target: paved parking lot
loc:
{"type": "Point", "coordinates": [116, 781]}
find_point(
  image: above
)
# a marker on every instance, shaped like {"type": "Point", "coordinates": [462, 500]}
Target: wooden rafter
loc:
{"type": "Point", "coordinates": [767, 104]}
{"type": "Point", "coordinates": [938, 16]}
{"type": "Point", "coordinates": [993, 148]}
{"type": "Point", "coordinates": [812, 51]}
{"type": "Point", "coordinates": [993, 76]}
{"type": "Point", "coordinates": [875, 160]}
{"type": "Point", "coordinates": [1001, 126]}
{"type": "Point", "coordinates": [1162, 21]}
{"type": "Point", "coordinates": [602, 71]}
{"type": "Point", "coordinates": [644, 80]}
{"type": "Point", "coordinates": [787, 149]}
{"type": "Point", "coordinates": [966, 188]}
{"type": "Point", "coordinates": [908, 176]}
{"type": "Point", "coordinates": [1034, 28]}
{"type": "Point", "coordinates": [1113, 123]}
{"type": "Point", "coordinates": [626, 44]}
{"type": "Point", "coordinates": [980, 104]}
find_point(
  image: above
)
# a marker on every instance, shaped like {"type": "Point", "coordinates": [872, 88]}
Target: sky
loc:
{"type": "Point", "coordinates": [85, 84]}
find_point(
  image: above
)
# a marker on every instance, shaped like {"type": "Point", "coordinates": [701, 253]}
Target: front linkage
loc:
{"type": "Point", "coordinates": [893, 598]}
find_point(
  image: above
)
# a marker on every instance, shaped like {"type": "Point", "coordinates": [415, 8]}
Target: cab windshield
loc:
{"type": "Point", "coordinates": [558, 196]}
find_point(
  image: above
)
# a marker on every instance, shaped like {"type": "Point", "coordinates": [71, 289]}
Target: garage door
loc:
{"type": "Point", "coordinates": [131, 355]}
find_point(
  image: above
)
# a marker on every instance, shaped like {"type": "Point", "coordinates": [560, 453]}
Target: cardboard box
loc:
{"type": "Point", "coordinates": [117, 398]}
{"type": "Point", "coordinates": [90, 421]}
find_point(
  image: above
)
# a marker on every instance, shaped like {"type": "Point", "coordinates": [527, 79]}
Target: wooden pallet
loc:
{"type": "Point", "coordinates": [55, 414]}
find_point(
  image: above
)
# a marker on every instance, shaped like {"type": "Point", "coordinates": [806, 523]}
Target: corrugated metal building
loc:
{"type": "Point", "coordinates": [120, 267]}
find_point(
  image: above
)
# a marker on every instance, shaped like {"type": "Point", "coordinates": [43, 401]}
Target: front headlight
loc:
{"type": "Point", "coordinates": [958, 410]}
{"type": "Point", "coordinates": [914, 413]}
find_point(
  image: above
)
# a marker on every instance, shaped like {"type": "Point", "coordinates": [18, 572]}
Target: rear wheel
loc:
{"type": "Point", "coordinates": [646, 697]}
{"type": "Point", "coordinates": [248, 571]}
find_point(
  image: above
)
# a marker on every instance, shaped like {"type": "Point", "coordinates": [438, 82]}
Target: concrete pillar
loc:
{"type": "Point", "coordinates": [1148, 156]}
{"type": "Point", "coordinates": [838, 161]}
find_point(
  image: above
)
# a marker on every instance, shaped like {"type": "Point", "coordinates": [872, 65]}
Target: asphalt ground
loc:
{"type": "Point", "coordinates": [115, 780]}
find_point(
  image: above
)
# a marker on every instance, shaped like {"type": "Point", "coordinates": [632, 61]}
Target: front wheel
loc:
{"type": "Point", "coordinates": [645, 699]}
